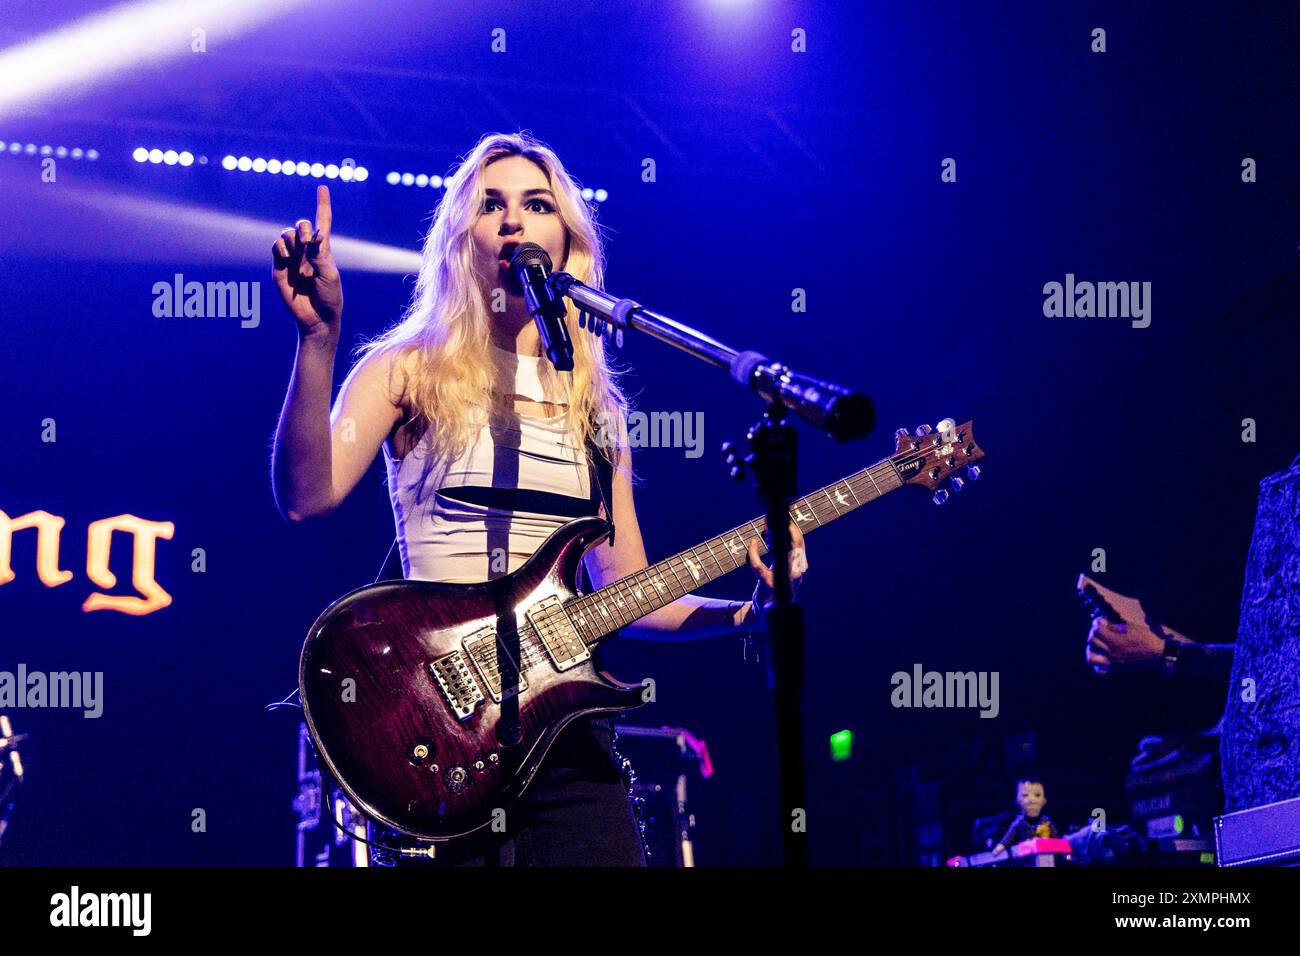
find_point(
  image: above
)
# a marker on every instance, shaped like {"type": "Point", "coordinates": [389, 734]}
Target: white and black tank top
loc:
{"type": "Point", "coordinates": [483, 514]}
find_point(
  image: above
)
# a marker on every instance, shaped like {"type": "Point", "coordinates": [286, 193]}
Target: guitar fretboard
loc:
{"type": "Point", "coordinates": [631, 598]}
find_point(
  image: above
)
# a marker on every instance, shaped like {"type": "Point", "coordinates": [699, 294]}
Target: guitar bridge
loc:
{"type": "Point", "coordinates": [457, 683]}
{"type": "Point", "coordinates": [483, 651]}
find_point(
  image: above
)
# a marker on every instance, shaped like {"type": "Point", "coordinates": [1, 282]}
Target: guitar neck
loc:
{"type": "Point", "coordinates": [602, 612]}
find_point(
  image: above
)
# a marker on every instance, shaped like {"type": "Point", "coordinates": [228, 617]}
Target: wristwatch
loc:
{"type": "Point", "coordinates": [1171, 654]}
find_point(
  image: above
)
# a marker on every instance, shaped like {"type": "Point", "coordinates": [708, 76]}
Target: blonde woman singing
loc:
{"type": "Point", "coordinates": [488, 449]}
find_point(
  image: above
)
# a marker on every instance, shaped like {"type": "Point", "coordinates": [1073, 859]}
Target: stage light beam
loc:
{"type": "Point", "coordinates": [102, 45]}
{"type": "Point", "coordinates": [114, 226]}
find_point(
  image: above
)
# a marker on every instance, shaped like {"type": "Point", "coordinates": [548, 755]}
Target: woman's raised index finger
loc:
{"type": "Point", "coordinates": [324, 213]}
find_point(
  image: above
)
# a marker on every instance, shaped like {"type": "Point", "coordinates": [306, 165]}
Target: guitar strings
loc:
{"type": "Point", "coordinates": [533, 654]}
{"type": "Point", "coordinates": [820, 512]}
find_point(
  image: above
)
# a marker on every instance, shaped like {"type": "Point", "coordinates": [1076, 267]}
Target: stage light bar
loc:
{"type": "Point", "coordinates": [167, 157]}
{"type": "Point", "coordinates": [421, 181]}
{"type": "Point", "coordinates": [413, 179]}
{"type": "Point", "coordinates": [289, 167]}
{"type": "Point", "coordinates": [59, 152]}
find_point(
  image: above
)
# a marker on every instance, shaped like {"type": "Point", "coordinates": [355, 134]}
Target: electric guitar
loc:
{"type": "Point", "coordinates": [434, 704]}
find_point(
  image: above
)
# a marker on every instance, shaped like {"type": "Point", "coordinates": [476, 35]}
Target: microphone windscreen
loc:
{"type": "Point", "coordinates": [530, 253]}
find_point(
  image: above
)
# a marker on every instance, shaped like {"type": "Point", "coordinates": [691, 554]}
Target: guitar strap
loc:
{"type": "Point", "coordinates": [602, 483]}
{"type": "Point", "coordinates": [602, 493]}
{"type": "Point", "coordinates": [392, 569]}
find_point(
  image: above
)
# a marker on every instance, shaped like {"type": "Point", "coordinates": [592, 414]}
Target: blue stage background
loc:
{"type": "Point", "coordinates": [775, 171]}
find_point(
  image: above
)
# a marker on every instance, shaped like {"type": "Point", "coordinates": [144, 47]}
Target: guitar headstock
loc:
{"type": "Point", "coordinates": [937, 457]}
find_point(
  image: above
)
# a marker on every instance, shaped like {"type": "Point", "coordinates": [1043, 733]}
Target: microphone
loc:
{"type": "Point", "coordinates": [841, 413]}
{"type": "Point", "coordinates": [531, 267]}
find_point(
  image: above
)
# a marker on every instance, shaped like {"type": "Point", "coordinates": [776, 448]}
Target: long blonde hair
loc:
{"type": "Point", "coordinates": [447, 321]}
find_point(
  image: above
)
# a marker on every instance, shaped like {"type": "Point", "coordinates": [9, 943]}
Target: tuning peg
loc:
{"type": "Point", "coordinates": [946, 425]}
{"type": "Point", "coordinates": [956, 483]}
{"type": "Point", "coordinates": [901, 433]}
{"type": "Point", "coordinates": [973, 472]}
{"type": "Point", "coordinates": [923, 431]}
{"type": "Point", "coordinates": [941, 496]}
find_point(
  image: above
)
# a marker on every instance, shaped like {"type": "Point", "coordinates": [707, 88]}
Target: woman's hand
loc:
{"type": "Point", "coordinates": [305, 273]}
{"type": "Point", "coordinates": [763, 589]}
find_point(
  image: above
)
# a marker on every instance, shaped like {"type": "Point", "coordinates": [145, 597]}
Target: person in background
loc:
{"type": "Point", "coordinates": [1260, 728]}
{"type": "Point", "coordinates": [1124, 638]}
{"type": "Point", "coordinates": [1031, 797]}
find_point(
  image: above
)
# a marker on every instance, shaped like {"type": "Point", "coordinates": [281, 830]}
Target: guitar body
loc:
{"type": "Point", "coordinates": [399, 693]}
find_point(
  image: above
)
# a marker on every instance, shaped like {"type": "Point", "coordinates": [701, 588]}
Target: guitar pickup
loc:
{"type": "Point", "coordinates": [457, 683]}
{"type": "Point", "coordinates": [559, 636]}
{"type": "Point", "coordinates": [483, 651]}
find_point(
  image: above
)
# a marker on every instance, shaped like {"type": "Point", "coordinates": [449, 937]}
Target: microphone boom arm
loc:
{"type": "Point", "coordinates": [840, 412]}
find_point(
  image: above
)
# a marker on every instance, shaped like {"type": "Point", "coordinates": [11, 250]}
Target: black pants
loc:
{"type": "Point", "coordinates": [576, 812]}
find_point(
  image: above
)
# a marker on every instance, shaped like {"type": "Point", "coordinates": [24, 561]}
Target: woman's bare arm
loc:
{"type": "Point", "coordinates": [690, 617]}
{"type": "Point", "coordinates": [318, 458]}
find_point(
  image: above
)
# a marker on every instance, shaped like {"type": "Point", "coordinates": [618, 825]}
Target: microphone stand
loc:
{"type": "Point", "coordinates": [773, 446]}
{"type": "Point", "coordinates": [773, 458]}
